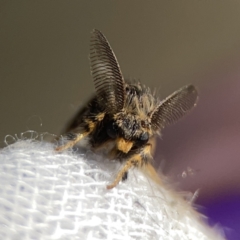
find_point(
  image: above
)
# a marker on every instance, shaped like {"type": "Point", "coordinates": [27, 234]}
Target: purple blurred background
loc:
{"type": "Point", "coordinates": [204, 153]}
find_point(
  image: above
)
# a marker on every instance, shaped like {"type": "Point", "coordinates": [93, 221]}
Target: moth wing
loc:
{"type": "Point", "coordinates": [174, 107]}
{"type": "Point", "coordinates": [78, 117]}
{"type": "Point", "coordinates": [106, 73]}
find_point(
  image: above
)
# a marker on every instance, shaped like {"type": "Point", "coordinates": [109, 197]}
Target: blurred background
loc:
{"type": "Point", "coordinates": [45, 78]}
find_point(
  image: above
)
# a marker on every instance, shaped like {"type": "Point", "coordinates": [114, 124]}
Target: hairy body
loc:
{"type": "Point", "coordinates": [127, 115]}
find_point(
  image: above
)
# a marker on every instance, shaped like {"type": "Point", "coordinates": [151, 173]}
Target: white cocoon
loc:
{"type": "Point", "coordinates": [48, 195]}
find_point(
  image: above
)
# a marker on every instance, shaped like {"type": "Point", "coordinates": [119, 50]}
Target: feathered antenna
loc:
{"type": "Point", "coordinates": [106, 73]}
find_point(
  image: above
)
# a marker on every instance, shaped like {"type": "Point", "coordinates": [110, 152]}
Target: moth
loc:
{"type": "Point", "coordinates": [123, 115]}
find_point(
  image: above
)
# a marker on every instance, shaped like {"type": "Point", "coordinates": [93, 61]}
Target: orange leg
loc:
{"type": "Point", "coordinates": [71, 143]}
{"type": "Point", "coordinates": [79, 137]}
{"type": "Point", "coordinates": [134, 161]}
{"type": "Point", "coordinates": [126, 167]}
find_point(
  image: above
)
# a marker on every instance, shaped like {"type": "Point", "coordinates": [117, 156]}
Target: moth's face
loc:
{"type": "Point", "coordinates": [129, 131]}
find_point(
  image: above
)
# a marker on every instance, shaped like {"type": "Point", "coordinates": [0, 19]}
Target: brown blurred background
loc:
{"type": "Point", "coordinates": [45, 77]}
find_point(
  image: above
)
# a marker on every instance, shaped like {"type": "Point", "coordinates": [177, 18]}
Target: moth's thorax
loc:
{"type": "Point", "coordinates": [139, 100]}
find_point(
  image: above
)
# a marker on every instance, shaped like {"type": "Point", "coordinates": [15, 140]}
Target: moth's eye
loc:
{"type": "Point", "coordinates": [143, 139]}
{"type": "Point", "coordinates": [112, 130]}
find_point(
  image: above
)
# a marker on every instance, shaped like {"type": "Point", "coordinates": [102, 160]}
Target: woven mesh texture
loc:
{"type": "Point", "coordinates": [47, 195]}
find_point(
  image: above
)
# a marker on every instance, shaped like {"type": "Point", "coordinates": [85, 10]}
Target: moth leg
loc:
{"type": "Point", "coordinates": [125, 176]}
{"type": "Point", "coordinates": [76, 137]}
{"type": "Point", "coordinates": [136, 160]}
{"type": "Point", "coordinates": [130, 163]}
{"type": "Point", "coordinates": [71, 143]}
{"type": "Point", "coordinates": [153, 142]}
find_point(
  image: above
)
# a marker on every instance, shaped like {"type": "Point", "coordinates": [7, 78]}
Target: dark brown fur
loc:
{"type": "Point", "coordinates": [125, 114]}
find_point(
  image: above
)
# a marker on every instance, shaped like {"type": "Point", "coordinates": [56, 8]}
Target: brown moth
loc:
{"type": "Point", "coordinates": [125, 114]}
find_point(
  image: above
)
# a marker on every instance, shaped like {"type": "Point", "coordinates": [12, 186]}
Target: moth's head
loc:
{"type": "Point", "coordinates": [129, 131]}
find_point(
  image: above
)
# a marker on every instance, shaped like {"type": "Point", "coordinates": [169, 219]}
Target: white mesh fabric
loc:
{"type": "Point", "coordinates": [47, 195]}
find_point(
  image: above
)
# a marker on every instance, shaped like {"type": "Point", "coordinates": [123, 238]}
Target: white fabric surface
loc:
{"type": "Point", "coordinates": [48, 195]}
